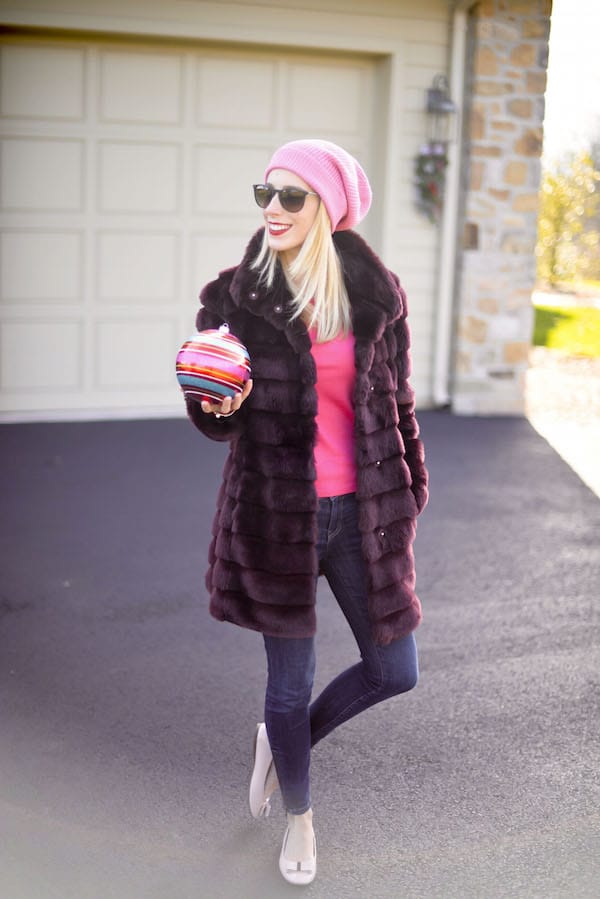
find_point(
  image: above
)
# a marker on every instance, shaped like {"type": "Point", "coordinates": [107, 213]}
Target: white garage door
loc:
{"type": "Point", "coordinates": [125, 176]}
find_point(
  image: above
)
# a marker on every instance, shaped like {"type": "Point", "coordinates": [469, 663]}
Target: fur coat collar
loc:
{"type": "Point", "coordinates": [373, 292]}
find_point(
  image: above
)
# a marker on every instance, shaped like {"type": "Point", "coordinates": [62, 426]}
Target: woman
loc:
{"type": "Point", "coordinates": [325, 473]}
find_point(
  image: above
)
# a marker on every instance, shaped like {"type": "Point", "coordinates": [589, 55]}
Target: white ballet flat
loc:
{"type": "Point", "coordinates": [299, 873]}
{"type": "Point", "coordinates": [264, 777]}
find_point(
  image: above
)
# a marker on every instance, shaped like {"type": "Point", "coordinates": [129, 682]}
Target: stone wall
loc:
{"type": "Point", "coordinates": [507, 80]}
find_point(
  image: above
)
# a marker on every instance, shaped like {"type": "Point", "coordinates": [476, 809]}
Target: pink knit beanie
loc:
{"type": "Point", "coordinates": [332, 173]}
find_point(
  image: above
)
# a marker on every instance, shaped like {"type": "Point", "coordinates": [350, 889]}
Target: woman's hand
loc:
{"type": "Point", "coordinates": [229, 405]}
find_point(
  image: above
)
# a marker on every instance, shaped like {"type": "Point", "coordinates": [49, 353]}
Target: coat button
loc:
{"type": "Point", "coordinates": [382, 534]}
{"type": "Point", "coordinates": [371, 387]}
{"type": "Point", "coordinates": [253, 295]}
{"type": "Point", "coordinates": [378, 463]}
{"type": "Point", "coordinates": [278, 308]}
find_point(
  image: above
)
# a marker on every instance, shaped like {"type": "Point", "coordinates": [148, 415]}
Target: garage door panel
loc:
{"type": "Point", "coordinates": [42, 175]}
{"type": "Point", "coordinates": [39, 355]}
{"type": "Point", "coordinates": [141, 87]}
{"type": "Point", "coordinates": [137, 267]}
{"type": "Point", "coordinates": [134, 353]}
{"type": "Point", "coordinates": [310, 109]}
{"type": "Point", "coordinates": [139, 177]}
{"type": "Point", "coordinates": [212, 253]}
{"type": "Point", "coordinates": [42, 82]}
{"type": "Point", "coordinates": [223, 178]}
{"type": "Point", "coordinates": [41, 266]}
{"type": "Point", "coordinates": [236, 93]}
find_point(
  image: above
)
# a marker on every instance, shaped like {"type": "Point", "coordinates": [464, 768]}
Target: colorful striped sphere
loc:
{"type": "Point", "coordinates": [212, 365]}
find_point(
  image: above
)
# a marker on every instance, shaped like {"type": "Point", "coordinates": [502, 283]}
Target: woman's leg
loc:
{"type": "Point", "coordinates": [383, 671]}
{"type": "Point", "coordinates": [291, 669]}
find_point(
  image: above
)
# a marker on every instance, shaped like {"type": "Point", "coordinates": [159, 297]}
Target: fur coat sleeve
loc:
{"type": "Point", "coordinates": [407, 421]}
{"type": "Point", "coordinates": [227, 427]}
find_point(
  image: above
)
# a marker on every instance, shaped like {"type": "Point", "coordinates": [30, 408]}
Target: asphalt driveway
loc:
{"type": "Point", "coordinates": [126, 713]}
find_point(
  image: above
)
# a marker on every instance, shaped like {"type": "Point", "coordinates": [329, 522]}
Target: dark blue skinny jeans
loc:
{"type": "Point", "coordinates": [294, 724]}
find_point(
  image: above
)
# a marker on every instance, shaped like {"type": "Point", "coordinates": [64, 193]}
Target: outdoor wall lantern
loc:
{"type": "Point", "coordinates": [432, 159]}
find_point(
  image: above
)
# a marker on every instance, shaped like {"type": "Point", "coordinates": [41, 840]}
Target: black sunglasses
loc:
{"type": "Point", "coordinates": [291, 198]}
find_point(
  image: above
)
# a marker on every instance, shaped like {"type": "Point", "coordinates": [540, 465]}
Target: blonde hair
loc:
{"type": "Point", "coordinates": [315, 279]}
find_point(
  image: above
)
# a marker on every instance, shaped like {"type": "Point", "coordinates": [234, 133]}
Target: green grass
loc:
{"type": "Point", "coordinates": [575, 331]}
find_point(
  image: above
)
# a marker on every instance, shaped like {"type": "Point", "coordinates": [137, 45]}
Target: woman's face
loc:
{"type": "Point", "coordinates": [287, 230]}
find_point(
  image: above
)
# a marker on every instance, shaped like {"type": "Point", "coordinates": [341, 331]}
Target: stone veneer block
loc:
{"type": "Point", "coordinates": [530, 144]}
{"type": "Point", "coordinates": [520, 108]}
{"type": "Point", "coordinates": [515, 173]}
{"type": "Point", "coordinates": [477, 122]}
{"type": "Point", "coordinates": [474, 330]}
{"type": "Point", "coordinates": [479, 150]}
{"type": "Point", "coordinates": [517, 352]}
{"type": "Point", "coordinates": [494, 88]}
{"type": "Point", "coordinates": [477, 169]}
{"type": "Point", "coordinates": [489, 305]}
{"type": "Point", "coordinates": [486, 61]}
{"type": "Point", "coordinates": [526, 203]}
{"type": "Point", "coordinates": [524, 56]}
{"type": "Point", "coordinates": [503, 126]}
{"type": "Point", "coordinates": [534, 28]}
{"type": "Point", "coordinates": [535, 82]}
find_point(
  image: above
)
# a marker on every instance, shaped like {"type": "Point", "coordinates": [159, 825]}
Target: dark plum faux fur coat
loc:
{"type": "Point", "coordinates": [262, 560]}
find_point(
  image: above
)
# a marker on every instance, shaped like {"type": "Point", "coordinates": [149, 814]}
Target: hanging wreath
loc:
{"type": "Point", "coordinates": [430, 171]}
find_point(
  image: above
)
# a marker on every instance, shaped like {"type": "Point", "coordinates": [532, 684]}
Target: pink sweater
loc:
{"type": "Point", "coordinates": [334, 451]}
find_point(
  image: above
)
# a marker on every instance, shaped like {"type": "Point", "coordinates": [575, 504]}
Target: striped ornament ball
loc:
{"type": "Point", "coordinates": [212, 365]}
